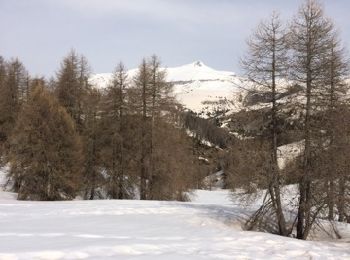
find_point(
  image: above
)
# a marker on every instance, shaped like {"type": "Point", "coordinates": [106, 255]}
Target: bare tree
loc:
{"type": "Point", "coordinates": [91, 148]}
{"type": "Point", "coordinates": [310, 40]}
{"type": "Point", "coordinates": [72, 86]}
{"type": "Point", "coordinates": [265, 65]}
{"type": "Point", "coordinates": [160, 101]}
{"type": "Point", "coordinates": [333, 98]}
{"type": "Point", "coordinates": [115, 109]}
{"type": "Point", "coordinates": [156, 113]}
{"type": "Point", "coordinates": [142, 82]}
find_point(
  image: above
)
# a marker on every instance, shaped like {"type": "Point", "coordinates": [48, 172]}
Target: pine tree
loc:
{"type": "Point", "coordinates": [45, 155]}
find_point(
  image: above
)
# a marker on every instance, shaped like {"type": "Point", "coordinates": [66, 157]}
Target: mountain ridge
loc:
{"type": "Point", "coordinates": [197, 87]}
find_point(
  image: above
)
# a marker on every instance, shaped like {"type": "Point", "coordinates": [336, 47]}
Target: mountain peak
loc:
{"type": "Point", "coordinates": [198, 64]}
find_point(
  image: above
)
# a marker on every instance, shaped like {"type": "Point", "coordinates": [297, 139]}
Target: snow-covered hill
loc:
{"type": "Point", "coordinates": [197, 86]}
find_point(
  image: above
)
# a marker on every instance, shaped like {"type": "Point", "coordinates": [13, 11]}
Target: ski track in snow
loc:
{"type": "Point", "coordinates": [207, 228]}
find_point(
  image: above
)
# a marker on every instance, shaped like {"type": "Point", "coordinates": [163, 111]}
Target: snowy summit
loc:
{"type": "Point", "coordinates": [197, 86]}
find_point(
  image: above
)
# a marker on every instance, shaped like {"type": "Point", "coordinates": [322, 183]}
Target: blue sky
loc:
{"type": "Point", "coordinates": [41, 32]}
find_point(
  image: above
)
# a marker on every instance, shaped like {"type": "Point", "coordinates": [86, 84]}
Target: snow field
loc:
{"type": "Point", "coordinates": [207, 228]}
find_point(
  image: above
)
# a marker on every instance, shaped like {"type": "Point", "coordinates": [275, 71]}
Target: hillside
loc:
{"type": "Point", "coordinates": [198, 87]}
{"type": "Point", "coordinates": [229, 101]}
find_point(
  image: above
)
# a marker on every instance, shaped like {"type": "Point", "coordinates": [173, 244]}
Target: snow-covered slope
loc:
{"type": "Point", "coordinates": [207, 228]}
{"type": "Point", "coordinates": [197, 86]}
{"type": "Point", "coordinates": [287, 153]}
{"type": "Point", "coordinates": [5, 186]}
{"type": "Point", "coordinates": [197, 71]}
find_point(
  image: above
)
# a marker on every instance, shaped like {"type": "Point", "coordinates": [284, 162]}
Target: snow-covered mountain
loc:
{"type": "Point", "coordinates": [198, 87]}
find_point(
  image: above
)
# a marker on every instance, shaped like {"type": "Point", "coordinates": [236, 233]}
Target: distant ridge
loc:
{"type": "Point", "coordinates": [197, 87]}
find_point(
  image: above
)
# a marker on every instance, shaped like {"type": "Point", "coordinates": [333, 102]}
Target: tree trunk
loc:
{"type": "Point", "coordinates": [276, 176]}
{"type": "Point", "coordinates": [152, 175]}
{"type": "Point", "coordinates": [143, 177]}
{"type": "Point", "coordinates": [304, 184]}
{"type": "Point", "coordinates": [121, 143]}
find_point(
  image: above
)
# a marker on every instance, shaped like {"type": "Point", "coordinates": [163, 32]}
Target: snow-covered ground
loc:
{"type": "Point", "coordinates": [209, 227]}
{"type": "Point", "coordinates": [289, 152]}
{"type": "Point", "coordinates": [214, 181]}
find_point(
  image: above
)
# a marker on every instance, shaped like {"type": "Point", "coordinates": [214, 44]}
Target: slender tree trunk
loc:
{"type": "Point", "coordinates": [114, 179]}
{"type": "Point", "coordinates": [275, 171]}
{"type": "Point", "coordinates": [152, 175]}
{"type": "Point", "coordinates": [331, 200]}
{"type": "Point", "coordinates": [341, 199]}
{"type": "Point", "coordinates": [143, 177]}
{"type": "Point", "coordinates": [93, 156]}
{"type": "Point", "coordinates": [92, 189]}
{"type": "Point", "coordinates": [304, 184]}
{"type": "Point", "coordinates": [121, 143]}
{"type": "Point", "coordinates": [332, 167]}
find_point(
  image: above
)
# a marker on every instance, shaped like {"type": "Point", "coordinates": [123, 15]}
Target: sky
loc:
{"type": "Point", "coordinates": [41, 32]}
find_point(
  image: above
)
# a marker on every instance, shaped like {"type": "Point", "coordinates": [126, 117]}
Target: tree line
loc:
{"type": "Point", "coordinates": [65, 138]}
{"type": "Point", "coordinates": [309, 54]}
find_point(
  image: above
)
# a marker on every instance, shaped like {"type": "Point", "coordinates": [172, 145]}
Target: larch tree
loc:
{"type": "Point", "coordinates": [265, 66]}
{"type": "Point", "coordinates": [142, 84]}
{"type": "Point", "coordinates": [4, 107]}
{"type": "Point", "coordinates": [14, 90]}
{"type": "Point", "coordinates": [334, 98]}
{"type": "Point", "coordinates": [90, 135]}
{"type": "Point", "coordinates": [75, 94]}
{"type": "Point", "coordinates": [45, 155]}
{"type": "Point", "coordinates": [115, 117]}
{"type": "Point", "coordinates": [310, 40]}
{"type": "Point", "coordinates": [339, 195]}
{"type": "Point", "coordinates": [154, 109]}
{"type": "Point", "coordinates": [159, 91]}
{"type": "Point", "coordinates": [171, 180]}
{"type": "Point", "coordinates": [72, 86]}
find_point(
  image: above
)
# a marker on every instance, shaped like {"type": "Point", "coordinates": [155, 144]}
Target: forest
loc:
{"type": "Point", "coordinates": [64, 138]}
